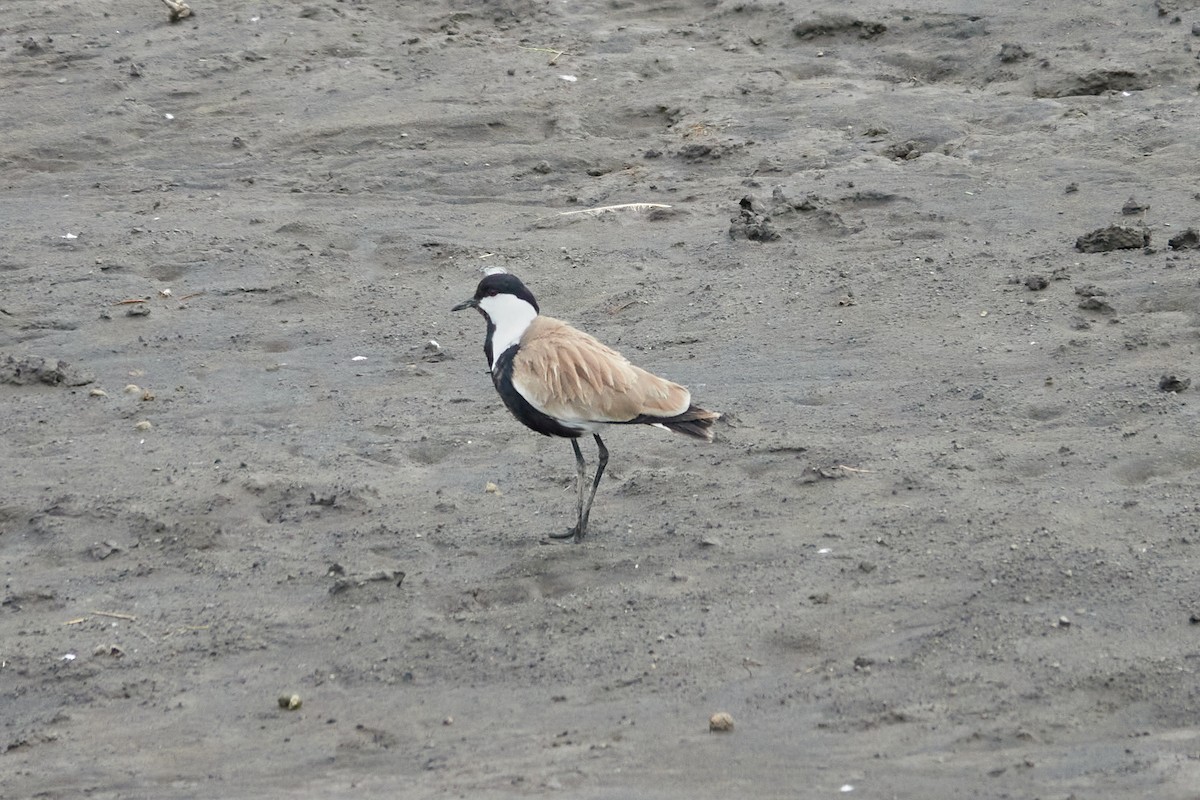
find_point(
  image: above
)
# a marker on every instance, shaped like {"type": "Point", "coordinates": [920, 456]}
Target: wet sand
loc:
{"type": "Point", "coordinates": [945, 544]}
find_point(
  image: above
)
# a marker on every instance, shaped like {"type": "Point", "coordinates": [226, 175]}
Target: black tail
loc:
{"type": "Point", "coordinates": [696, 421]}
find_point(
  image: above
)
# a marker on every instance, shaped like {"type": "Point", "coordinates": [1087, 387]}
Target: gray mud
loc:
{"type": "Point", "coordinates": [945, 545]}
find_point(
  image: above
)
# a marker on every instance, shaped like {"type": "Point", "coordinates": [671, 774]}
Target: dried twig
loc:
{"type": "Point", "coordinates": [187, 629]}
{"type": "Point", "coordinates": [623, 306]}
{"type": "Point", "coordinates": [115, 615]}
{"type": "Point", "coordinates": [557, 53]}
{"type": "Point", "coordinates": [137, 629]}
{"type": "Point", "coordinates": [621, 207]}
{"type": "Point", "coordinates": [179, 9]}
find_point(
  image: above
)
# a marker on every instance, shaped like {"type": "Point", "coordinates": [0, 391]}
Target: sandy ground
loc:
{"type": "Point", "coordinates": [946, 542]}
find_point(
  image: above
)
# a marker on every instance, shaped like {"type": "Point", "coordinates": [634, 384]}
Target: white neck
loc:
{"type": "Point", "coordinates": [511, 315]}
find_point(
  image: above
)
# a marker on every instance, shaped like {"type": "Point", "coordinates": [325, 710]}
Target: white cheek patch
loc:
{"type": "Point", "coordinates": [511, 315]}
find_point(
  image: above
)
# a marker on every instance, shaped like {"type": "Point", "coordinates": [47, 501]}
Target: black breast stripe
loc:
{"type": "Point", "coordinates": [519, 406]}
{"type": "Point", "coordinates": [487, 342]}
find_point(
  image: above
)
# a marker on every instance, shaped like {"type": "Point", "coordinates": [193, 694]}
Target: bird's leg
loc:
{"type": "Point", "coordinates": [580, 475]}
{"type": "Point", "coordinates": [580, 478]}
{"type": "Point", "coordinates": [600, 465]}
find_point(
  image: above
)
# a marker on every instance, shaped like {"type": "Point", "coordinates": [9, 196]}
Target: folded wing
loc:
{"type": "Point", "coordinates": [570, 375]}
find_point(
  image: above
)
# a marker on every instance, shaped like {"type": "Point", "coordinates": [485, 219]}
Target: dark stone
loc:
{"type": "Point", "coordinates": [1173, 383]}
{"type": "Point", "coordinates": [1114, 237]}
{"type": "Point", "coordinates": [1188, 240]}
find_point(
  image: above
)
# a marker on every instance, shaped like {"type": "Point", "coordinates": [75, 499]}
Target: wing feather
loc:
{"type": "Point", "coordinates": [570, 375]}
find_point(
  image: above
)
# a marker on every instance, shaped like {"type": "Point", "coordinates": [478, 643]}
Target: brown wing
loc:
{"type": "Point", "coordinates": [570, 375]}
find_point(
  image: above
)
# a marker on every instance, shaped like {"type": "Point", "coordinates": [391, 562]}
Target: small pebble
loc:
{"type": "Point", "coordinates": [433, 352]}
{"type": "Point", "coordinates": [290, 702]}
{"type": "Point", "coordinates": [1132, 206]}
{"type": "Point", "coordinates": [1173, 383]}
{"type": "Point", "coordinates": [98, 393]}
{"type": "Point", "coordinates": [102, 550]}
{"type": "Point", "coordinates": [720, 722]}
{"type": "Point", "coordinates": [132, 388]}
{"type": "Point", "coordinates": [1096, 304]}
{"type": "Point", "coordinates": [143, 425]}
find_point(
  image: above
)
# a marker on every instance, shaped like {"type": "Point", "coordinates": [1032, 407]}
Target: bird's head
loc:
{"type": "Point", "coordinates": [502, 297]}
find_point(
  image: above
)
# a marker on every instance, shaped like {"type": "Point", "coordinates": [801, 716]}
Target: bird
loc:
{"type": "Point", "coordinates": [560, 381]}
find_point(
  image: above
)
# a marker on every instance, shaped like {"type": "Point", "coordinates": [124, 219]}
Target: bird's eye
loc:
{"type": "Point", "coordinates": [492, 293]}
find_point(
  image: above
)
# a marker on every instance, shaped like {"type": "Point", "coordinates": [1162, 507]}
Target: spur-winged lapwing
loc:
{"type": "Point", "coordinates": [560, 381]}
